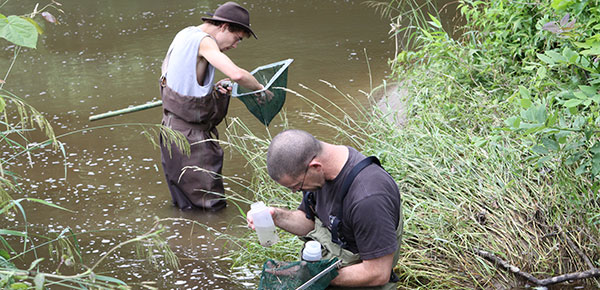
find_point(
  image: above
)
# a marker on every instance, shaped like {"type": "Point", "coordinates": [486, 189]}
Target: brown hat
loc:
{"type": "Point", "coordinates": [232, 12]}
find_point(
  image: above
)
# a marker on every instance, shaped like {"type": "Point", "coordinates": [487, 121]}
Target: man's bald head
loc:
{"type": "Point", "coordinates": [290, 152]}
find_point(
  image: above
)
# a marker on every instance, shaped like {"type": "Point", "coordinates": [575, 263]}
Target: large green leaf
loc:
{"type": "Point", "coordinates": [580, 95]}
{"type": "Point", "coordinates": [39, 29]}
{"type": "Point", "coordinates": [39, 281]}
{"type": "Point", "coordinates": [596, 164]}
{"type": "Point", "coordinates": [524, 92]}
{"type": "Point", "coordinates": [525, 103]}
{"type": "Point", "coordinates": [572, 159]}
{"type": "Point", "coordinates": [591, 46]}
{"type": "Point", "coordinates": [582, 168]}
{"type": "Point", "coordinates": [573, 103]}
{"type": "Point", "coordinates": [570, 55]}
{"type": "Point", "coordinates": [595, 149]}
{"type": "Point", "coordinates": [545, 59]}
{"type": "Point", "coordinates": [541, 150]}
{"type": "Point", "coordinates": [550, 144]}
{"type": "Point", "coordinates": [560, 5]}
{"type": "Point", "coordinates": [556, 57]}
{"type": "Point", "coordinates": [542, 72]}
{"type": "Point", "coordinates": [590, 91]}
{"type": "Point", "coordinates": [513, 122]}
{"type": "Point", "coordinates": [18, 31]}
{"type": "Point", "coordinates": [535, 114]}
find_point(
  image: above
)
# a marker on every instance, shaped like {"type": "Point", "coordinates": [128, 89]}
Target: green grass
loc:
{"type": "Point", "coordinates": [466, 184]}
{"type": "Point", "coordinates": [462, 190]}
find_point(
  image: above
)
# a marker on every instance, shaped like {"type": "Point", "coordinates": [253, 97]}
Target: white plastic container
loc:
{"type": "Point", "coordinates": [312, 251]}
{"type": "Point", "coordinates": [263, 223]}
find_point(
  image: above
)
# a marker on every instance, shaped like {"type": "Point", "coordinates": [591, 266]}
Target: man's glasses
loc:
{"type": "Point", "coordinates": [306, 172]}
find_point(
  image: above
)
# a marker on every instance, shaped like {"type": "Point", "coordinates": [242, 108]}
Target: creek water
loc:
{"type": "Point", "coordinates": [106, 55]}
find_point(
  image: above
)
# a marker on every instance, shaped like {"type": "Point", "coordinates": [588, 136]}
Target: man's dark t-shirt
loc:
{"type": "Point", "coordinates": [371, 209]}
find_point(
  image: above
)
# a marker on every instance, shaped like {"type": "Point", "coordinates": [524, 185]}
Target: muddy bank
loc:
{"type": "Point", "coordinates": [390, 99]}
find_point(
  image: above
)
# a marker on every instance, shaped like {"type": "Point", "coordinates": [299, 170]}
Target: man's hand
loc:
{"type": "Point", "coordinates": [294, 221]}
{"type": "Point", "coordinates": [250, 220]}
{"type": "Point", "coordinates": [224, 86]}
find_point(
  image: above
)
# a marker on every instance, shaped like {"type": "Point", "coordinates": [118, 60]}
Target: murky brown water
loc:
{"type": "Point", "coordinates": [105, 56]}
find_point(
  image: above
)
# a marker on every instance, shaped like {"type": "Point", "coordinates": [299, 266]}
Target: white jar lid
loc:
{"type": "Point", "coordinates": [312, 251]}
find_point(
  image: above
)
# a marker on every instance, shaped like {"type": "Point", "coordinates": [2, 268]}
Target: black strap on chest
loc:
{"type": "Point", "coordinates": [335, 220]}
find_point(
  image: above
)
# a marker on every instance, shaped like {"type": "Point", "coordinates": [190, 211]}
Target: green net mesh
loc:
{"type": "Point", "coordinates": [291, 275]}
{"type": "Point", "coordinates": [273, 77]}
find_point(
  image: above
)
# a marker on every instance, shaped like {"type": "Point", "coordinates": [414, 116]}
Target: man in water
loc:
{"type": "Point", "coordinates": [361, 225]}
{"type": "Point", "coordinates": [194, 105]}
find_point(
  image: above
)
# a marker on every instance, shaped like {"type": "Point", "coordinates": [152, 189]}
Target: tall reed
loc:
{"type": "Point", "coordinates": [467, 184]}
{"type": "Point", "coordinates": [461, 191]}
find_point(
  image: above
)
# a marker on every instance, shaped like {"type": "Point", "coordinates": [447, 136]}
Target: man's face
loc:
{"type": "Point", "coordinates": [228, 40]}
{"type": "Point", "coordinates": [312, 180]}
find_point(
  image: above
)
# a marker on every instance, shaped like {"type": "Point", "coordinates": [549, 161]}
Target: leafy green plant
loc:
{"type": "Point", "coordinates": [498, 149]}
{"type": "Point", "coordinates": [559, 106]}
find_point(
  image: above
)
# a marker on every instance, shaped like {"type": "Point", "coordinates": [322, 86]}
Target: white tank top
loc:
{"type": "Point", "coordinates": [181, 65]}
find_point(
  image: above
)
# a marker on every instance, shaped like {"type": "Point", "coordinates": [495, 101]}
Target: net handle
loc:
{"type": "Point", "coordinates": [318, 276]}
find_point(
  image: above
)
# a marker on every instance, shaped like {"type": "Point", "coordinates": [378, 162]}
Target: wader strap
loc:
{"type": "Point", "coordinates": [335, 221]}
{"type": "Point", "coordinates": [309, 205]}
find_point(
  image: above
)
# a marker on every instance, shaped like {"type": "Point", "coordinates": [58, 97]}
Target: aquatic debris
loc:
{"type": "Point", "coordinates": [49, 17]}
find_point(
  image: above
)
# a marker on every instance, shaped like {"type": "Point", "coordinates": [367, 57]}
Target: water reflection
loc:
{"type": "Point", "coordinates": [105, 56]}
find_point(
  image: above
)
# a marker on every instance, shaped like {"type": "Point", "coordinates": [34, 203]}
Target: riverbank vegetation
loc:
{"type": "Point", "coordinates": [499, 157]}
{"type": "Point", "coordinates": [499, 153]}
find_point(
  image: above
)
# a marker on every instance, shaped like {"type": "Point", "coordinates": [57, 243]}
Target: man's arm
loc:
{"type": "Point", "coordinates": [373, 272]}
{"type": "Point", "coordinates": [294, 221]}
{"type": "Point", "coordinates": [210, 51]}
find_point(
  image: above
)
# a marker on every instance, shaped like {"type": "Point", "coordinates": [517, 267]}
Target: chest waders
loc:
{"type": "Point", "coordinates": [197, 119]}
{"type": "Point", "coordinates": [332, 244]}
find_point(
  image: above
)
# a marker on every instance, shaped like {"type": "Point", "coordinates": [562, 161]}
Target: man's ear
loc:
{"type": "Point", "coordinates": [315, 164]}
{"type": "Point", "coordinates": [224, 27]}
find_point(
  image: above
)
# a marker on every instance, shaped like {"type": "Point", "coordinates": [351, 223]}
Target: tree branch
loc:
{"type": "Point", "coordinates": [542, 282]}
{"type": "Point", "coordinates": [582, 255]}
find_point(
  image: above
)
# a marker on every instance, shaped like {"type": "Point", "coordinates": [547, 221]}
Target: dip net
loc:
{"type": "Point", "coordinates": [280, 275]}
{"type": "Point", "coordinates": [274, 78]}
